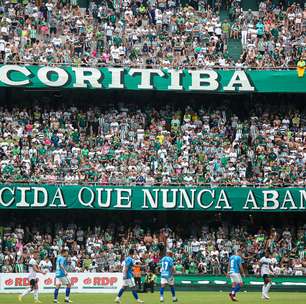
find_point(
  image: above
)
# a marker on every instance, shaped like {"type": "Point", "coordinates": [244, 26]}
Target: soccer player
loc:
{"type": "Point", "coordinates": [34, 269]}
{"type": "Point", "coordinates": [235, 270]}
{"type": "Point", "coordinates": [61, 276]}
{"type": "Point", "coordinates": [166, 273]}
{"type": "Point", "coordinates": [266, 270]}
{"type": "Point", "coordinates": [128, 278]}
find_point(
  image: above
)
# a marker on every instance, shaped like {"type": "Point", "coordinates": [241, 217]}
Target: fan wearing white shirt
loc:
{"type": "Point", "coordinates": [2, 48]}
{"type": "Point", "coordinates": [45, 265]}
{"type": "Point", "coordinates": [265, 271]}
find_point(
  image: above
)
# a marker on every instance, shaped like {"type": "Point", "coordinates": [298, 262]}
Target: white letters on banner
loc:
{"type": "Point", "coordinates": [92, 77]}
{"type": "Point", "coordinates": [159, 198]}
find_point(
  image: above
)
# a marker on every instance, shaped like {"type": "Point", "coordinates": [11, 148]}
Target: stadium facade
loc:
{"type": "Point", "coordinates": [272, 205]}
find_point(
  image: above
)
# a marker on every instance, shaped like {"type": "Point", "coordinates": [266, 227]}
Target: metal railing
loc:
{"type": "Point", "coordinates": [156, 184]}
{"type": "Point", "coordinates": [149, 66]}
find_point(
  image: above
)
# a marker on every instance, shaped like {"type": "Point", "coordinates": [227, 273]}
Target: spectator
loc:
{"type": "Point", "coordinates": [149, 282]}
{"type": "Point", "coordinates": [46, 265]}
{"type": "Point", "coordinates": [137, 275]}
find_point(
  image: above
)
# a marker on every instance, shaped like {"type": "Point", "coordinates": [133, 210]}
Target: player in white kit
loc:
{"type": "Point", "coordinates": [266, 270]}
{"type": "Point", "coordinates": [34, 269]}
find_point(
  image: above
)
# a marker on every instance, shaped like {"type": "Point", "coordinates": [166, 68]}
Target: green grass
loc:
{"type": "Point", "coordinates": [183, 297]}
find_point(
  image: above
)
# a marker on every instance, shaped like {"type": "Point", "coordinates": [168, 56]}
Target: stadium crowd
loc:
{"type": "Point", "coordinates": [198, 249]}
{"type": "Point", "coordinates": [126, 145]}
{"type": "Point", "coordinates": [163, 33]}
{"type": "Point", "coordinates": [274, 37]}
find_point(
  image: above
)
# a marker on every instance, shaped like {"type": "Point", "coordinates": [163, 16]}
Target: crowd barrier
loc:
{"type": "Point", "coordinates": [111, 282]}
{"type": "Point", "coordinates": [151, 66]}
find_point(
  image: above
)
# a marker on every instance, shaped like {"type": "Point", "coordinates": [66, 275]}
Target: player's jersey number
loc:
{"type": "Point", "coordinates": [164, 266]}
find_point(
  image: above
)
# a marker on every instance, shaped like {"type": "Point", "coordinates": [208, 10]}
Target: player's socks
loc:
{"type": "Point", "coordinates": [268, 287]}
{"type": "Point", "coordinates": [172, 291]}
{"type": "Point", "coordinates": [135, 295]}
{"type": "Point", "coordinates": [121, 291]}
{"type": "Point", "coordinates": [263, 290]}
{"type": "Point", "coordinates": [26, 292]}
{"type": "Point", "coordinates": [237, 288]}
{"type": "Point", "coordinates": [161, 292]}
{"type": "Point", "coordinates": [55, 294]}
{"type": "Point", "coordinates": [67, 299]}
{"type": "Point", "coordinates": [117, 300]}
{"type": "Point", "coordinates": [67, 293]}
{"type": "Point", "coordinates": [36, 300]}
{"type": "Point", "coordinates": [233, 290]}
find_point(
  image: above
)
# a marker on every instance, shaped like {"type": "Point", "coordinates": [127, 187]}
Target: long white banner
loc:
{"type": "Point", "coordinates": [81, 282]}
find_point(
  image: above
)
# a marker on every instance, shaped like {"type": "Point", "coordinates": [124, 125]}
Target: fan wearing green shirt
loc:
{"type": "Point", "coordinates": [226, 29]}
{"type": "Point", "coordinates": [260, 29]}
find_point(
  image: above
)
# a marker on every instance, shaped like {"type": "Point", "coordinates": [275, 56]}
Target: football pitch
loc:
{"type": "Point", "coordinates": [183, 297]}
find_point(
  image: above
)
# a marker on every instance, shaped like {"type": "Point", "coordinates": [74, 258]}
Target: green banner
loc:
{"type": "Point", "coordinates": [222, 283]}
{"type": "Point", "coordinates": [20, 196]}
{"type": "Point", "coordinates": [225, 281]}
{"type": "Point", "coordinates": [151, 79]}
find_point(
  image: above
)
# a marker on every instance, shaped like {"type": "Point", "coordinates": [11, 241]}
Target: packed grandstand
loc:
{"type": "Point", "coordinates": [127, 144]}
{"type": "Point", "coordinates": [154, 33]}
{"type": "Point", "coordinates": [203, 247]}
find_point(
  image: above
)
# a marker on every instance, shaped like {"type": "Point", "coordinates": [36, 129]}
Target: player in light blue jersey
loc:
{"type": "Point", "coordinates": [166, 274]}
{"type": "Point", "coordinates": [61, 276]}
{"type": "Point", "coordinates": [128, 278]}
{"type": "Point", "coordinates": [235, 270]}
